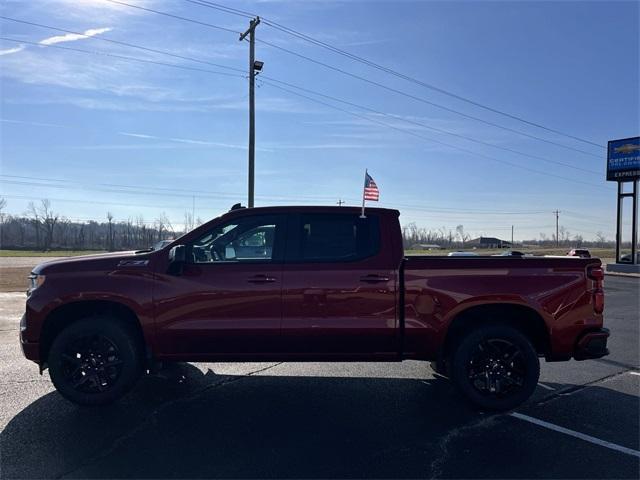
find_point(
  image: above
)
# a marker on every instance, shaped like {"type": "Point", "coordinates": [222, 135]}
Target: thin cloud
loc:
{"type": "Point", "coordinates": [36, 124]}
{"type": "Point", "coordinates": [72, 37]}
{"type": "Point", "coordinates": [189, 141]}
{"type": "Point", "coordinates": [9, 51]}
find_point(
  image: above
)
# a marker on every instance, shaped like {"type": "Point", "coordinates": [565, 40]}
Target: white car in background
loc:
{"type": "Point", "coordinates": [462, 254]}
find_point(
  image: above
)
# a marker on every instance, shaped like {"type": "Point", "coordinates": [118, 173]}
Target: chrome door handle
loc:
{"type": "Point", "coordinates": [374, 278]}
{"type": "Point", "coordinates": [261, 279]}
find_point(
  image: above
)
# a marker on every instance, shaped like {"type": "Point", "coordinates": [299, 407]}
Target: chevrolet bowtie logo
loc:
{"type": "Point", "coordinates": [628, 148]}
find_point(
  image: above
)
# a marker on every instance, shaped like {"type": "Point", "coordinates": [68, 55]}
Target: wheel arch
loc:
{"type": "Point", "coordinates": [63, 316]}
{"type": "Point", "coordinates": [522, 317]}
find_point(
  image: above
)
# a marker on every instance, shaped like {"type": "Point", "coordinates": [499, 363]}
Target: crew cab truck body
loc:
{"type": "Point", "coordinates": [310, 283]}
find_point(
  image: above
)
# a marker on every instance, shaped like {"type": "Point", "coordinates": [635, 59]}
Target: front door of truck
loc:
{"type": "Point", "coordinates": [339, 287]}
{"type": "Point", "coordinates": [227, 300]}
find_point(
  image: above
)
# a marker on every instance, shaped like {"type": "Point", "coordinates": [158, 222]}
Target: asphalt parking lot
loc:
{"type": "Point", "coordinates": [328, 420]}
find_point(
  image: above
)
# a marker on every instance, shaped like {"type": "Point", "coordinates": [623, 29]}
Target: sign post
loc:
{"type": "Point", "coordinates": [623, 166]}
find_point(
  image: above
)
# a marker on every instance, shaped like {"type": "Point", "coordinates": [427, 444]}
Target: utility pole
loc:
{"type": "Point", "coordinates": [340, 202]}
{"type": "Point", "coordinates": [557, 212]}
{"type": "Point", "coordinates": [511, 236]}
{"type": "Point", "coordinates": [253, 66]}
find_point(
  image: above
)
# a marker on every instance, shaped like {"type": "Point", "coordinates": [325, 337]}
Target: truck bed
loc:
{"type": "Point", "coordinates": [438, 288]}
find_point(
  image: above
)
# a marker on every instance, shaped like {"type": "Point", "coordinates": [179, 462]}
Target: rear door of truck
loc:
{"type": "Point", "coordinates": [339, 286]}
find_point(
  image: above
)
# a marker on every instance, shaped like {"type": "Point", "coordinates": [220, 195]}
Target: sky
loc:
{"type": "Point", "coordinates": [95, 132]}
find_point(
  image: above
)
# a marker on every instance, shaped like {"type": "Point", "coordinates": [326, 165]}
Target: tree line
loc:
{"type": "Point", "coordinates": [414, 237]}
{"type": "Point", "coordinates": [40, 227]}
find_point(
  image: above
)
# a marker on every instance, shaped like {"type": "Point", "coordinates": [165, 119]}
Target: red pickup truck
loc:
{"type": "Point", "coordinates": [310, 283]}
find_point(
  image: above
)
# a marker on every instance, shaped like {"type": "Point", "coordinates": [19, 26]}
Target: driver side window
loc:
{"type": "Point", "coordinates": [246, 239]}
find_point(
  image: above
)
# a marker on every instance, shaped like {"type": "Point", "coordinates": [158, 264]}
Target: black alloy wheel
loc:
{"type": "Point", "coordinates": [92, 364]}
{"type": "Point", "coordinates": [495, 366]}
{"type": "Point", "coordinates": [96, 360]}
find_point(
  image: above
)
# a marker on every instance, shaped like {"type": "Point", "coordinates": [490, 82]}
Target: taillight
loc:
{"type": "Point", "coordinates": [597, 275]}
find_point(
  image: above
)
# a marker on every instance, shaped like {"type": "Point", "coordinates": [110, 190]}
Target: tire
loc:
{"type": "Point", "coordinates": [95, 361]}
{"type": "Point", "coordinates": [495, 367]}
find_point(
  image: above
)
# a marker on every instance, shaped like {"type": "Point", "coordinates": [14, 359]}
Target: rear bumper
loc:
{"type": "Point", "coordinates": [592, 344]}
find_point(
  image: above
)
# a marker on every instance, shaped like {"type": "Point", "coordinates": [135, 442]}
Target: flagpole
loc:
{"type": "Point", "coordinates": [362, 215]}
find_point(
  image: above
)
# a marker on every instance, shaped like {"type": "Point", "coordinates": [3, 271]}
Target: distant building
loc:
{"type": "Point", "coordinates": [487, 242]}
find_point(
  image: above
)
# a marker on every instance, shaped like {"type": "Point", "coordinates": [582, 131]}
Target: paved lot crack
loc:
{"type": "Point", "coordinates": [147, 420]}
{"type": "Point", "coordinates": [577, 388]}
{"type": "Point", "coordinates": [443, 444]}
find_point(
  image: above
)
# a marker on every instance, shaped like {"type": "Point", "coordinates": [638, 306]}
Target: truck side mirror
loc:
{"type": "Point", "coordinates": [177, 258]}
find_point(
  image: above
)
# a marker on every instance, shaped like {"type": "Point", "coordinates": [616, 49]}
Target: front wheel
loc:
{"type": "Point", "coordinates": [95, 361]}
{"type": "Point", "coordinates": [495, 367]}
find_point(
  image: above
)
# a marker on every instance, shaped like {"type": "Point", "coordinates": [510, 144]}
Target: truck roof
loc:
{"type": "Point", "coordinates": [316, 208]}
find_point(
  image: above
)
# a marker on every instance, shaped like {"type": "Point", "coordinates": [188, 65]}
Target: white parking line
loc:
{"type": "Point", "coordinates": [545, 386]}
{"type": "Point", "coordinates": [573, 433]}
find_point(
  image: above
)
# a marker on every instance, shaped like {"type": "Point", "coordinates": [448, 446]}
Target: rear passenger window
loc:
{"type": "Point", "coordinates": [337, 237]}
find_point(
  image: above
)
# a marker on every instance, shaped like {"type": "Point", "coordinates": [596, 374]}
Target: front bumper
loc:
{"type": "Point", "coordinates": [31, 350]}
{"type": "Point", "coordinates": [592, 344]}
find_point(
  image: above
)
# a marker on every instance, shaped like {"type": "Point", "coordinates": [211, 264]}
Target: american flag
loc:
{"type": "Point", "coordinates": [371, 191]}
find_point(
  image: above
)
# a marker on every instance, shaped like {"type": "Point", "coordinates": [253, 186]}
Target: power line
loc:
{"type": "Point", "coordinates": [222, 8]}
{"type": "Point", "coordinates": [164, 192]}
{"type": "Point", "coordinates": [94, 202]}
{"type": "Point", "coordinates": [309, 98]}
{"type": "Point", "coordinates": [439, 130]}
{"type": "Point", "coordinates": [266, 81]}
{"type": "Point", "coordinates": [185, 208]}
{"type": "Point", "coordinates": [162, 52]}
{"type": "Point", "coordinates": [304, 96]}
{"type": "Point", "coordinates": [358, 77]}
{"type": "Point", "coordinates": [395, 73]}
{"type": "Point", "coordinates": [420, 99]}
{"type": "Point", "coordinates": [122, 57]}
{"type": "Point", "coordinates": [467, 210]}
{"type": "Point", "coordinates": [101, 188]}
{"type": "Point", "coordinates": [409, 132]}
{"type": "Point", "coordinates": [583, 215]}
{"type": "Point", "coordinates": [177, 17]}
{"type": "Point", "coordinates": [125, 44]}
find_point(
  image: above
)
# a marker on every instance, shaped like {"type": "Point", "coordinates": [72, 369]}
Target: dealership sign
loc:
{"type": "Point", "coordinates": [623, 159]}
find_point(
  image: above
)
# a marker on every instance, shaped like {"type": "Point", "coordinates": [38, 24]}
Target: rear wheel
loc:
{"type": "Point", "coordinates": [95, 361]}
{"type": "Point", "coordinates": [496, 367]}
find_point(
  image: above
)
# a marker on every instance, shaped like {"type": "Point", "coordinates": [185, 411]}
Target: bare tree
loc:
{"type": "Point", "coordinates": [79, 240]}
{"type": "Point", "coordinates": [34, 217]}
{"type": "Point", "coordinates": [163, 226]}
{"type": "Point", "coordinates": [110, 232]}
{"type": "Point", "coordinates": [64, 230]}
{"type": "Point", "coordinates": [160, 226]}
{"type": "Point", "coordinates": [3, 204]}
{"type": "Point", "coordinates": [601, 239]}
{"type": "Point", "coordinates": [578, 240]}
{"type": "Point", "coordinates": [461, 235]}
{"type": "Point", "coordinates": [189, 222]}
{"type": "Point", "coordinates": [49, 221]}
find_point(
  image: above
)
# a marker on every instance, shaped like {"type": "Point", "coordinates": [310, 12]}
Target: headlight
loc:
{"type": "Point", "coordinates": [35, 281]}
